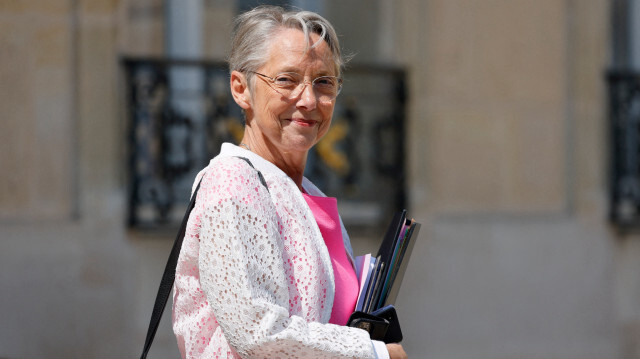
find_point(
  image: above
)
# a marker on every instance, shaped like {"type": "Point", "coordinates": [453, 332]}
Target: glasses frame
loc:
{"type": "Point", "coordinates": [299, 89]}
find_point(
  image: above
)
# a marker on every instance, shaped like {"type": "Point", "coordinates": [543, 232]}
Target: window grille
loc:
{"type": "Point", "coordinates": [175, 129]}
{"type": "Point", "coordinates": [624, 107]}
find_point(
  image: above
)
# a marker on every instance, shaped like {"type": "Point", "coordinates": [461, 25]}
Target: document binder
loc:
{"type": "Point", "coordinates": [383, 281]}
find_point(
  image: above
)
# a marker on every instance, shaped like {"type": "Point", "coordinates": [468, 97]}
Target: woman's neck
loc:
{"type": "Point", "coordinates": [291, 163]}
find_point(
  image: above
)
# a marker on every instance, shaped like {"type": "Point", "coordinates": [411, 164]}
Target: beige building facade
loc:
{"type": "Point", "coordinates": [507, 169]}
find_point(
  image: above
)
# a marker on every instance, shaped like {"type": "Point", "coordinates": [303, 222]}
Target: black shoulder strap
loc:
{"type": "Point", "coordinates": [168, 278]}
{"type": "Point", "coordinates": [260, 176]}
{"type": "Point", "coordinates": [169, 275]}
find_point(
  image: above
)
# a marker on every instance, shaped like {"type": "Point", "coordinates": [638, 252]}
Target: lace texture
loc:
{"type": "Point", "coordinates": [254, 278]}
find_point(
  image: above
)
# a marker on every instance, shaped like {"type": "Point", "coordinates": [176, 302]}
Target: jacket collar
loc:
{"type": "Point", "coordinates": [262, 165]}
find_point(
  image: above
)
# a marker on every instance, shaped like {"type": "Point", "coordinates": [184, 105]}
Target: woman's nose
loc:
{"type": "Point", "coordinates": [307, 98]}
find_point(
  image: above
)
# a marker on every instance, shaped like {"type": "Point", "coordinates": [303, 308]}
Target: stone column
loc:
{"type": "Point", "coordinates": [184, 41]}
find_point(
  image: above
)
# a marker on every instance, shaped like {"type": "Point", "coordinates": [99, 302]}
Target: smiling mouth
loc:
{"type": "Point", "coordinates": [303, 122]}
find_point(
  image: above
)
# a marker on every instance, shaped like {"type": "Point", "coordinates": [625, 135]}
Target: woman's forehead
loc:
{"type": "Point", "coordinates": [289, 48]}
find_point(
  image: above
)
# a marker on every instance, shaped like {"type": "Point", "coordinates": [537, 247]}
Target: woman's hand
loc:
{"type": "Point", "coordinates": [396, 352]}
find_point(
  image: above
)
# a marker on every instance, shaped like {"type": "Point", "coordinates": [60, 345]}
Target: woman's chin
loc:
{"type": "Point", "coordinates": [300, 144]}
{"type": "Point", "coordinates": [300, 138]}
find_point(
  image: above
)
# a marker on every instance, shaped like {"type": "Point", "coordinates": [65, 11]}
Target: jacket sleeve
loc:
{"type": "Point", "coordinates": [242, 274]}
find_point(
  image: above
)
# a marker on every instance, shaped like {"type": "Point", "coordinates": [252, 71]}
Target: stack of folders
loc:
{"type": "Point", "coordinates": [380, 277]}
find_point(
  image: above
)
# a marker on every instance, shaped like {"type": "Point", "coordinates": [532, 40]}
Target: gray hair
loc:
{"type": "Point", "coordinates": [254, 30]}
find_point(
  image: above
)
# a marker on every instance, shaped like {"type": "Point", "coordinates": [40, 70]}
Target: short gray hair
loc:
{"type": "Point", "coordinates": [254, 30]}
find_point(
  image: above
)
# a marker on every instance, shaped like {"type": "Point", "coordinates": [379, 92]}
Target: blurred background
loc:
{"type": "Point", "coordinates": [508, 128]}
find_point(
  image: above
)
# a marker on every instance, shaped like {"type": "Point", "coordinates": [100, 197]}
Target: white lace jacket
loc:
{"type": "Point", "coordinates": [254, 277]}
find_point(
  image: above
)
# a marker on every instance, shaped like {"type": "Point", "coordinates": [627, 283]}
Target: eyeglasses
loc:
{"type": "Point", "coordinates": [291, 85]}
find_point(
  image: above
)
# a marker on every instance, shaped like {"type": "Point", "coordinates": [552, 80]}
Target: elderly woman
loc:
{"type": "Point", "coordinates": [266, 269]}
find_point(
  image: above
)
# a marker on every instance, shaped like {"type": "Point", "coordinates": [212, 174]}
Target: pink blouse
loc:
{"type": "Point", "coordinates": [325, 212]}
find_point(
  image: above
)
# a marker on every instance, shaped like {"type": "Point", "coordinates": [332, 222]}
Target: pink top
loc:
{"type": "Point", "coordinates": [325, 212]}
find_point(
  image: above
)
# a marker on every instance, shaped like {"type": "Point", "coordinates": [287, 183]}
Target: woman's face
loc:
{"type": "Point", "coordinates": [291, 125]}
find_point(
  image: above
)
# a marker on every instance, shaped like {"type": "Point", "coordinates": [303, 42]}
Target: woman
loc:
{"type": "Point", "coordinates": [266, 269]}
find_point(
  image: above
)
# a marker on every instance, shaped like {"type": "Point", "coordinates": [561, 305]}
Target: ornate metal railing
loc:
{"type": "Point", "coordinates": [180, 112]}
{"type": "Point", "coordinates": [624, 107]}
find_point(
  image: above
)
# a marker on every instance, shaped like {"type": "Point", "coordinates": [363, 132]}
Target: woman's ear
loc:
{"type": "Point", "coordinates": [240, 89]}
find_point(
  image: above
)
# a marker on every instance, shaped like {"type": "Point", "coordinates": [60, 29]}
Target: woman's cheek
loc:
{"type": "Point", "coordinates": [324, 129]}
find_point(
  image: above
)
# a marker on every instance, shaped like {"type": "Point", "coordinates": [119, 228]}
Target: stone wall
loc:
{"type": "Point", "coordinates": [508, 170]}
{"type": "Point", "coordinates": [37, 112]}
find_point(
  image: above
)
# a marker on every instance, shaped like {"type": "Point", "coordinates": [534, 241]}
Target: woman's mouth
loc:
{"type": "Point", "coordinates": [303, 122]}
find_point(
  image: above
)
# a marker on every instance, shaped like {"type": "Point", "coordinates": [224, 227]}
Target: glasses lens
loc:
{"type": "Point", "coordinates": [287, 81]}
{"type": "Point", "coordinates": [292, 84]}
{"type": "Point", "coordinates": [326, 86]}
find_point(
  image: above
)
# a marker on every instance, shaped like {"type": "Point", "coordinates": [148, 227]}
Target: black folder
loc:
{"type": "Point", "coordinates": [393, 257]}
{"type": "Point", "coordinates": [402, 264]}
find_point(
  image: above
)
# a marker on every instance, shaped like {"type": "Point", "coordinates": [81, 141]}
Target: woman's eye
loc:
{"type": "Point", "coordinates": [325, 82]}
{"type": "Point", "coordinates": [284, 80]}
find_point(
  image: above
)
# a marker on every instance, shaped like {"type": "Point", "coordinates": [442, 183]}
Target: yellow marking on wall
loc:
{"type": "Point", "coordinates": [327, 151]}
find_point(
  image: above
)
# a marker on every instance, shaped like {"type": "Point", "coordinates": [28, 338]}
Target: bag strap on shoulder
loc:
{"type": "Point", "coordinates": [260, 176]}
{"type": "Point", "coordinates": [169, 275]}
